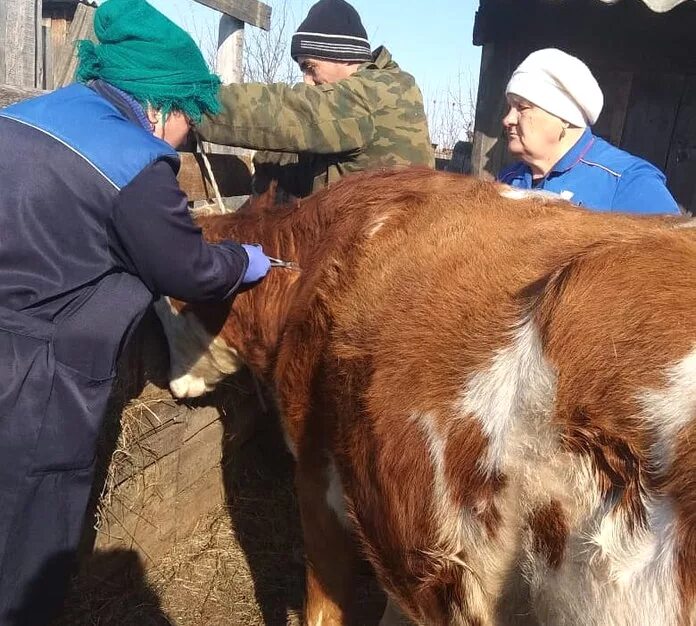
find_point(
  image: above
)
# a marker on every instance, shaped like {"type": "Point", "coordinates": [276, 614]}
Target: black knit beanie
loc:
{"type": "Point", "coordinates": [332, 30]}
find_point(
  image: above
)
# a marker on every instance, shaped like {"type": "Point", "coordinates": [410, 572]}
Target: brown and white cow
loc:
{"type": "Point", "coordinates": [493, 400]}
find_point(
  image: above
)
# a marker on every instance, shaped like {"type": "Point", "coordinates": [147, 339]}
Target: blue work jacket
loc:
{"type": "Point", "coordinates": [92, 225]}
{"type": "Point", "coordinates": [599, 176]}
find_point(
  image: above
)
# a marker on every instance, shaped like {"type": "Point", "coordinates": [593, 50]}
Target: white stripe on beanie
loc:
{"type": "Point", "coordinates": [334, 36]}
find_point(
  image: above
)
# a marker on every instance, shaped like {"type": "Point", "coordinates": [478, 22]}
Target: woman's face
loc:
{"type": "Point", "coordinates": [532, 133]}
{"type": "Point", "coordinates": [176, 128]}
{"type": "Point", "coordinates": [172, 128]}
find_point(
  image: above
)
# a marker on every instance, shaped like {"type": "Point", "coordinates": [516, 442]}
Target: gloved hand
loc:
{"type": "Point", "coordinates": [259, 263]}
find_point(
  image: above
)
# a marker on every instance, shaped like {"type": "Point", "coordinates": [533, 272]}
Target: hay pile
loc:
{"type": "Point", "coordinates": [203, 580]}
{"type": "Point", "coordinates": [240, 563]}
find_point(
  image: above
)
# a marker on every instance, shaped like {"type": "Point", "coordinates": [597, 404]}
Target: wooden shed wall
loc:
{"type": "Point", "coordinates": [645, 63]}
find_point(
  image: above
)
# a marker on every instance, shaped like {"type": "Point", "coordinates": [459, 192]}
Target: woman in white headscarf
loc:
{"type": "Point", "coordinates": [553, 100]}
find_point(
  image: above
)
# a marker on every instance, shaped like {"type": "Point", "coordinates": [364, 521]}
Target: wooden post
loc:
{"type": "Point", "coordinates": [48, 57]}
{"type": "Point", "coordinates": [82, 27]}
{"type": "Point", "coordinates": [38, 45]}
{"type": "Point", "coordinates": [230, 54]}
{"type": "Point", "coordinates": [489, 148]}
{"type": "Point", "coordinates": [3, 42]}
{"type": "Point", "coordinates": [18, 42]}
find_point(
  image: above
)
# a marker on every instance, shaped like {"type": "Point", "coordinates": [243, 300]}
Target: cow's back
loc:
{"type": "Point", "coordinates": [463, 417]}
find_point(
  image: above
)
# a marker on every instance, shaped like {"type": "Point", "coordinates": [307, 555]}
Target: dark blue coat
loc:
{"type": "Point", "coordinates": [92, 224]}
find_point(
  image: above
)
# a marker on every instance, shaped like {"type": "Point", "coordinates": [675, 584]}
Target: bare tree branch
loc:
{"type": "Point", "coordinates": [451, 112]}
{"type": "Point", "coordinates": [267, 54]}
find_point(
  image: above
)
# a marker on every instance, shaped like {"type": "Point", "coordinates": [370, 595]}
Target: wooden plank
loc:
{"type": "Point", "coordinates": [3, 41]}
{"type": "Point", "coordinates": [9, 94]}
{"type": "Point", "coordinates": [18, 42]}
{"type": "Point", "coordinates": [199, 454]}
{"type": "Point", "coordinates": [165, 500]}
{"type": "Point", "coordinates": [616, 87]}
{"type": "Point", "coordinates": [249, 11]}
{"type": "Point", "coordinates": [59, 33]}
{"type": "Point", "coordinates": [167, 439]}
{"type": "Point", "coordinates": [48, 57]}
{"type": "Point", "coordinates": [82, 27]}
{"type": "Point", "coordinates": [489, 147]}
{"type": "Point", "coordinates": [229, 62]}
{"type": "Point", "coordinates": [652, 115]}
{"type": "Point", "coordinates": [233, 175]}
{"type": "Point", "coordinates": [681, 163]}
{"type": "Point", "coordinates": [39, 46]}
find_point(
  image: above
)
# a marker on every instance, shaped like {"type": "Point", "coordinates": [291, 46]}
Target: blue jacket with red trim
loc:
{"type": "Point", "coordinates": [599, 176]}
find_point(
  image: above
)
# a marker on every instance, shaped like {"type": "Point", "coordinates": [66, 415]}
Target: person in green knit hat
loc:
{"type": "Point", "coordinates": [84, 249]}
{"type": "Point", "coordinates": [144, 54]}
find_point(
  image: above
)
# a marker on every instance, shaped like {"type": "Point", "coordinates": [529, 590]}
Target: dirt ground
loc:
{"type": "Point", "coordinates": [243, 564]}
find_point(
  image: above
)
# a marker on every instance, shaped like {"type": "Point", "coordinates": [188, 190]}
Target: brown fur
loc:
{"type": "Point", "coordinates": [410, 283]}
{"type": "Point", "coordinates": [550, 532]}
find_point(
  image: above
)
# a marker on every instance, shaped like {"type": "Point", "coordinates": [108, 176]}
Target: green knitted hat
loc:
{"type": "Point", "coordinates": [149, 57]}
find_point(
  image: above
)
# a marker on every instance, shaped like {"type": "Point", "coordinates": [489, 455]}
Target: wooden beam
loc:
{"type": "Point", "coordinates": [616, 87]}
{"type": "Point", "coordinates": [489, 149]}
{"type": "Point", "coordinates": [652, 115]}
{"type": "Point", "coordinates": [229, 62]}
{"type": "Point", "coordinates": [48, 57]}
{"type": "Point", "coordinates": [9, 94]}
{"type": "Point", "coordinates": [249, 11]}
{"type": "Point", "coordinates": [39, 55]}
{"type": "Point", "coordinates": [681, 161]}
{"type": "Point", "coordinates": [3, 40]}
{"type": "Point", "coordinates": [18, 42]}
{"type": "Point", "coordinates": [59, 32]}
{"type": "Point", "coordinates": [82, 27]}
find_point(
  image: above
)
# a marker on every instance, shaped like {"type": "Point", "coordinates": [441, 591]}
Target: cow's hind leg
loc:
{"type": "Point", "coordinates": [331, 556]}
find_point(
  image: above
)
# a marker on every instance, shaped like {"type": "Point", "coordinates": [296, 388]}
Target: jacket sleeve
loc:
{"type": "Point", "coordinates": [156, 239]}
{"type": "Point", "coordinates": [323, 119]}
{"type": "Point", "coordinates": [642, 189]}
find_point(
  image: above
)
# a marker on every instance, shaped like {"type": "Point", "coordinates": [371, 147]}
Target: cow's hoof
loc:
{"type": "Point", "coordinates": [188, 386]}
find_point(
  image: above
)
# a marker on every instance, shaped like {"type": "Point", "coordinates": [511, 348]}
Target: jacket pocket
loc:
{"type": "Point", "coordinates": [72, 421]}
{"type": "Point", "coordinates": [26, 371]}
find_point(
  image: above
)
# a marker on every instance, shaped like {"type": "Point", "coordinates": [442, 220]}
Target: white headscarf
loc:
{"type": "Point", "coordinates": [560, 84]}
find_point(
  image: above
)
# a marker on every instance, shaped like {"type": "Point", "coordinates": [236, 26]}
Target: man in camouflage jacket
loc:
{"type": "Point", "coordinates": [356, 109]}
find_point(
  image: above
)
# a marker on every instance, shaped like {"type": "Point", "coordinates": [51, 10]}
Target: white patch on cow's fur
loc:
{"type": "Point", "coordinates": [376, 225]}
{"type": "Point", "coordinates": [334, 494]}
{"type": "Point", "coordinates": [292, 448]}
{"type": "Point", "coordinates": [515, 193]}
{"type": "Point", "coordinates": [671, 409]}
{"type": "Point", "coordinates": [198, 361]}
{"type": "Point", "coordinates": [512, 400]}
{"type": "Point", "coordinates": [612, 575]}
{"type": "Point", "coordinates": [609, 573]}
{"type": "Point", "coordinates": [458, 530]}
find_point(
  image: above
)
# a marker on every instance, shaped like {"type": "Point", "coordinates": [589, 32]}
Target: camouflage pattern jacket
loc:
{"type": "Point", "coordinates": [373, 118]}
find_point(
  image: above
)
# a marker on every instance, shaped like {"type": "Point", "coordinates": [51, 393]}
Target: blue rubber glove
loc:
{"type": "Point", "coordinates": [258, 263]}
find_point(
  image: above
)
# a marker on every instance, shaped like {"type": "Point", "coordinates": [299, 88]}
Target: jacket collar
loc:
{"type": "Point", "coordinates": [128, 106]}
{"type": "Point", "coordinates": [571, 158]}
{"type": "Point", "coordinates": [381, 60]}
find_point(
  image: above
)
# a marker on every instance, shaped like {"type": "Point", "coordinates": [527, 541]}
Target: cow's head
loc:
{"type": "Point", "coordinates": [198, 357]}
